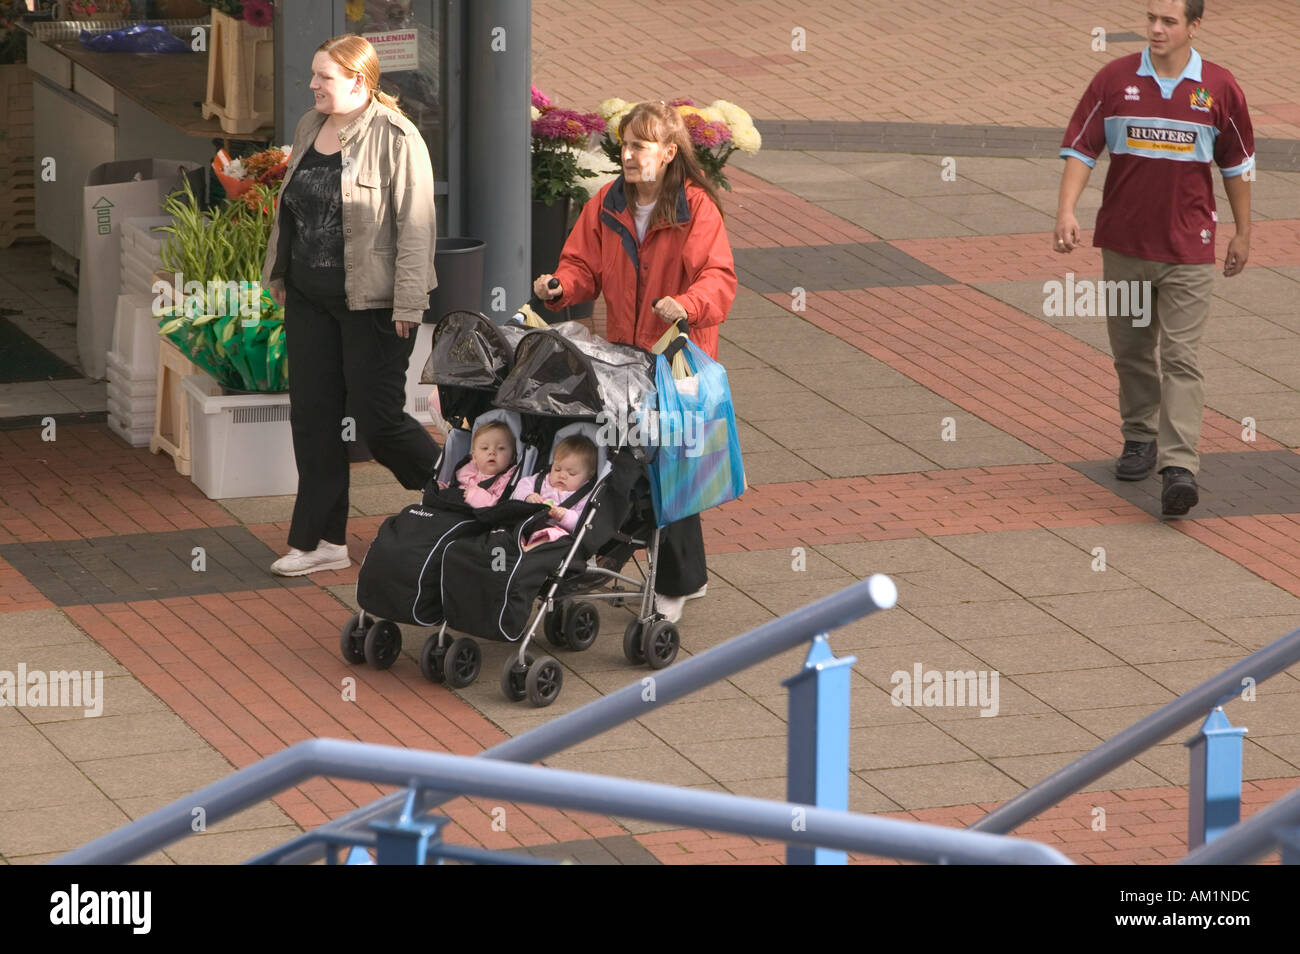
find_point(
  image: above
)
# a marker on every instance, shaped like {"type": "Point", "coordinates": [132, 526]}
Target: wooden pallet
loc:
{"type": "Point", "coordinates": [17, 155]}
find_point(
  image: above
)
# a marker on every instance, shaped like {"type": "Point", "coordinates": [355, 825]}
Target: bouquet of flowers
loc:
{"type": "Point", "coordinates": [97, 10]}
{"type": "Point", "coordinates": [221, 317]}
{"type": "Point", "coordinates": [239, 176]}
{"type": "Point", "coordinates": [716, 131]}
{"type": "Point", "coordinates": [562, 152]}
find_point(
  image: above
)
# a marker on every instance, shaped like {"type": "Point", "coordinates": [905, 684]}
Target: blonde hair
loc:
{"type": "Point", "coordinates": [355, 54]}
{"type": "Point", "coordinates": [657, 122]}
{"type": "Point", "coordinates": [577, 445]}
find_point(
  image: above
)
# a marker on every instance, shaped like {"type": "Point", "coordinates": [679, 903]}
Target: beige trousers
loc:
{"type": "Point", "coordinates": [1161, 388]}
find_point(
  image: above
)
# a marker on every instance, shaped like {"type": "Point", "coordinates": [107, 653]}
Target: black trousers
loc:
{"type": "Point", "coordinates": [346, 363]}
{"type": "Point", "coordinates": [681, 570]}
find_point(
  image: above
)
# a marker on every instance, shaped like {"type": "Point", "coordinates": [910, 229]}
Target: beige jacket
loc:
{"type": "Point", "coordinates": [389, 224]}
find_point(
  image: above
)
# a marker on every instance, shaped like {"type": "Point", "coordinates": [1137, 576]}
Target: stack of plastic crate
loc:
{"type": "Point", "coordinates": [133, 362]}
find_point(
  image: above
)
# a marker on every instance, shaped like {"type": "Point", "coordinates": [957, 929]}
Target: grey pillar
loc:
{"type": "Point", "coordinates": [300, 27]}
{"type": "Point", "coordinates": [497, 183]}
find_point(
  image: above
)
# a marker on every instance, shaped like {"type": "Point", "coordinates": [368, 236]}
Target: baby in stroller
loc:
{"type": "Point", "coordinates": [484, 477]}
{"type": "Point", "coordinates": [572, 466]}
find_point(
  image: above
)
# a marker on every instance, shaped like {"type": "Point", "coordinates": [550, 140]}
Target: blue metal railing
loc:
{"type": "Point", "coordinates": [533, 784]}
{"type": "Point", "coordinates": [1215, 796]}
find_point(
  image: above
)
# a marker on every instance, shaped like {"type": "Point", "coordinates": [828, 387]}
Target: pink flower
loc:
{"type": "Point", "coordinates": [258, 13]}
{"type": "Point", "coordinates": [567, 125]}
{"type": "Point", "coordinates": [682, 101]}
{"type": "Point", "coordinates": [540, 100]}
{"type": "Point", "coordinates": [708, 134]}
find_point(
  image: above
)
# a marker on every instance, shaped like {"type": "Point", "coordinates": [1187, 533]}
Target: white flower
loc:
{"type": "Point", "coordinates": [746, 139]}
{"type": "Point", "coordinates": [612, 123]}
{"type": "Point", "coordinates": [236, 169]}
{"type": "Point", "coordinates": [713, 115]}
{"type": "Point", "coordinates": [608, 107]}
{"type": "Point", "coordinates": [536, 113]}
{"type": "Point", "coordinates": [734, 116]}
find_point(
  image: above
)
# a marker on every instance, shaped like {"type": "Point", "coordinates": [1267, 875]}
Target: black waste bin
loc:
{"type": "Point", "coordinates": [459, 264]}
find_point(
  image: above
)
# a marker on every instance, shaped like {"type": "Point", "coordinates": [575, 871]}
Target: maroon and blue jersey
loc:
{"type": "Point", "coordinates": [1158, 202]}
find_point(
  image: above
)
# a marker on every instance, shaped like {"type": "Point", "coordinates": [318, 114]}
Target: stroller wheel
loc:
{"type": "Point", "coordinates": [581, 626]}
{"type": "Point", "coordinates": [431, 659]}
{"type": "Point", "coordinates": [661, 644]}
{"type": "Point", "coordinates": [383, 644]}
{"type": "Point", "coordinates": [553, 626]}
{"type": "Point", "coordinates": [514, 677]}
{"type": "Point", "coordinates": [350, 643]}
{"type": "Point", "coordinates": [632, 648]}
{"type": "Point", "coordinates": [462, 662]}
{"type": "Point", "coordinates": [544, 680]}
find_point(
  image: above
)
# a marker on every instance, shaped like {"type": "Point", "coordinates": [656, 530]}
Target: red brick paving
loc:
{"type": "Point", "coordinates": [88, 483]}
{"type": "Point", "coordinates": [16, 593]}
{"type": "Point", "coordinates": [1265, 544]}
{"type": "Point", "coordinates": [937, 503]}
{"type": "Point", "coordinates": [1143, 826]}
{"type": "Point", "coordinates": [1036, 383]}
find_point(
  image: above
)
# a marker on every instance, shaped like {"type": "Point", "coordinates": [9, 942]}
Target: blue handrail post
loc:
{"type": "Point", "coordinates": [1214, 803]}
{"type": "Point", "coordinates": [818, 758]}
{"type": "Point", "coordinates": [1289, 840]}
{"type": "Point", "coordinates": [407, 840]}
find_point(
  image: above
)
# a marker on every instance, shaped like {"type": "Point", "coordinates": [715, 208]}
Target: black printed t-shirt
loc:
{"type": "Point", "coordinates": [314, 201]}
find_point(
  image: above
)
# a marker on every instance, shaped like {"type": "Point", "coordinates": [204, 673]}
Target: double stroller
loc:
{"type": "Point", "coordinates": [466, 570]}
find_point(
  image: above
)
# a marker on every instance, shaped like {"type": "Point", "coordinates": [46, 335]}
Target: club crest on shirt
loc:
{"type": "Point", "coordinates": [1201, 99]}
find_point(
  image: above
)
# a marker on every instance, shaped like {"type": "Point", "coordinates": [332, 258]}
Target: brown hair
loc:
{"type": "Point", "coordinates": [493, 426]}
{"type": "Point", "coordinates": [577, 444]}
{"type": "Point", "coordinates": [663, 124]}
{"type": "Point", "coordinates": [355, 54]}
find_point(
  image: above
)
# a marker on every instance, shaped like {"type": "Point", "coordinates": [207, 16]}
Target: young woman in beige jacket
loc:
{"type": "Point", "coordinates": [351, 259]}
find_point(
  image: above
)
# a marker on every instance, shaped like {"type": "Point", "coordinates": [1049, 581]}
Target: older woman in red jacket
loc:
{"type": "Point", "coordinates": [654, 243]}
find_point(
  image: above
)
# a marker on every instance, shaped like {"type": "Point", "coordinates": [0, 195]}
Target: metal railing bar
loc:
{"type": "Point", "coordinates": [388, 765]}
{"type": "Point", "coordinates": [1246, 841]}
{"type": "Point", "coordinates": [713, 665]}
{"type": "Point", "coordinates": [1178, 714]}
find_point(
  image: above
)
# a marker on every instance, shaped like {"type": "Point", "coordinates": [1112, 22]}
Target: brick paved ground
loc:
{"type": "Point", "coordinates": [914, 412]}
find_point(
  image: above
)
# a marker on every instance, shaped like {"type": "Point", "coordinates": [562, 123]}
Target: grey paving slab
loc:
{"type": "Point", "coordinates": [1231, 485]}
{"type": "Point", "coordinates": [832, 268]}
{"type": "Point", "coordinates": [146, 566]}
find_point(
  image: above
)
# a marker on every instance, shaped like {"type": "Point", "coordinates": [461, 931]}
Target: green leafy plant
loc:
{"type": "Point", "coordinates": [233, 329]}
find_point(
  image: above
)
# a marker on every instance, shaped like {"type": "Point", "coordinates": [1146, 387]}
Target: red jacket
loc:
{"type": "Point", "coordinates": [692, 263]}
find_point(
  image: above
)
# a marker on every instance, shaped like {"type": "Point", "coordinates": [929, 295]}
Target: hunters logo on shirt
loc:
{"type": "Point", "coordinates": [1201, 99]}
{"type": "Point", "coordinates": [1161, 140]}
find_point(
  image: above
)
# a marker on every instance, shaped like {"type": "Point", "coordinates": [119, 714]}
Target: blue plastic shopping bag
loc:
{"type": "Point", "coordinates": [697, 465]}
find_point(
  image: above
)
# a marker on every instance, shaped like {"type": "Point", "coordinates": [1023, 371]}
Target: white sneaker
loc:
{"type": "Point", "coordinates": [326, 556]}
{"type": "Point", "coordinates": [669, 607]}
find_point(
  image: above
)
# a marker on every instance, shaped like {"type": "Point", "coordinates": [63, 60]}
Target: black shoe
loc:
{"type": "Point", "coordinates": [1137, 460]}
{"type": "Point", "coordinates": [1179, 495]}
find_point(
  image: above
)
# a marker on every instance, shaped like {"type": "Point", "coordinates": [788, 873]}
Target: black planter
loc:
{"type": "Point", "coordinates": [459, 263]}
{"type": "Point", "coordinates": [550, 229]}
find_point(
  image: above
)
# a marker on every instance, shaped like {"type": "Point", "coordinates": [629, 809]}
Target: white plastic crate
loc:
{"type": "Point", "coordinates": [138, 267]}
{"type": "Point", "coordinates": [240, 445]}
{"type": "Point", "coordinates": [135, 338]}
